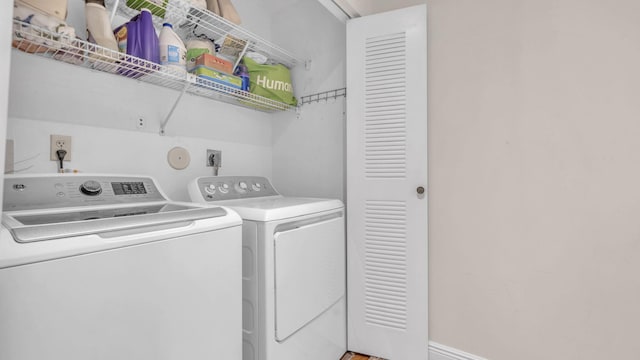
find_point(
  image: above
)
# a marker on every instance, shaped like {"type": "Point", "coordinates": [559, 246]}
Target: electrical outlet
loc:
{"type": "Point", "coordinates": [60, 142]}
{"type": "Point", "coordinates": [214, 158]}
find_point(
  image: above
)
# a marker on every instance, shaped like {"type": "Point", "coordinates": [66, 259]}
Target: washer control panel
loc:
{"type": "Point", "coordinates": [218, 188]}
{"type": "Point", "coordinates": [59, 191]}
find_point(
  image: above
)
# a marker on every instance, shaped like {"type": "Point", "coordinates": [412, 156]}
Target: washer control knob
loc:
{"type": "Point", "coordinates": [256, 187]}
{"type": "Point", "coordinates": [91, 188]}
{"type": "Point", "coordinates": [224, 188]}
{"type": "Point", "coordinates": [210, 189]}
{"type": "Point", "coordinates": [242, 187]}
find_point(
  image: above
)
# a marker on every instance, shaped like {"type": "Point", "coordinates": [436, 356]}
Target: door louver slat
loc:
{"type": "Point", "coordinates": [385, 265]}
{"type": "Point", "coordinates": [385, 103]}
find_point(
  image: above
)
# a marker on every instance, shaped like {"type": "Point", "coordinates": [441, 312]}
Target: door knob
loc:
{"type": "Point", "coordinates": [420, 190]}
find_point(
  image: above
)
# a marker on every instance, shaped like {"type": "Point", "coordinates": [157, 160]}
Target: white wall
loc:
{"type": "Point", "coordinates": [115, 151]}
{"type": "Point", "coordinates": [42, 89]}
{"type": "Point", "coordinates": [308, 149]}
{"type": "Point", "coordinates": [534, 196]}
{"type": "Point", "coordinates": [5, 60]}
{"type": "Point", "coordinates": [309, 152]}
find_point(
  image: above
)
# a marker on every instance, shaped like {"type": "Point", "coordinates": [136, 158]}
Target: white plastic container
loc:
{"type": "Point", "coordinates": [99, 27]}
{"type": "Point", "coordinates": [172, 50]}
{"type": "Point", "coordinates": [197, 47]}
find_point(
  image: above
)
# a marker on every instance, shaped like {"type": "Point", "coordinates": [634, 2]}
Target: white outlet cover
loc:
{"type": "Point", "coordinates": [178, 158]}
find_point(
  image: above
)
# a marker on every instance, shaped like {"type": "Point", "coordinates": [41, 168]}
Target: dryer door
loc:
{"type": "Point", "coordinates": [309, 270]}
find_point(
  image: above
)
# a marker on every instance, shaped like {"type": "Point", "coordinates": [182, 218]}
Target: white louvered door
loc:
{"type": "Point", "coordinates": [386, 171]}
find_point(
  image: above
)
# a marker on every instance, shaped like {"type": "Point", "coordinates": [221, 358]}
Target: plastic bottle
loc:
{"type": "Point", "coordinates": [172, 50]}
{"type": "Point", "coordinates": [138, 38]}
{"type": "Point", "coordinates": [121, 37]}
{"type": "Point", "coordinates": [243, 72]}
{"type": "Point", "coordinates": [98, 25]}
{"type": "Point", "coordinates": [142, 40]}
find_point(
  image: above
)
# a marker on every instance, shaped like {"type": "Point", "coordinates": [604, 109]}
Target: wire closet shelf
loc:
{"type": "Point", "coordinates": [187, 19]}
{"type": "Point", "coordinates": [39, 41]}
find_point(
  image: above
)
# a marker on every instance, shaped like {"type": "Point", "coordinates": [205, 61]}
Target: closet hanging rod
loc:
{"type": "Point", "coordinates": [325, 95]}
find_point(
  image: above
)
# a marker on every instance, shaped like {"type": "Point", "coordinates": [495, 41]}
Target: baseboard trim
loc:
{"type": "Point", "coordinates": [442, 352]}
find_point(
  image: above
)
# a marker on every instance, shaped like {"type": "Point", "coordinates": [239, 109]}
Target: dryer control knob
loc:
{"type": "Point", "coordinates": [91, 188]}
{"type": "Point", "coordinates": [256, 187]}
{"type": "Point", "coordinates": [224, 188]}
{"type": "Point", "coordinates": [211, 189]}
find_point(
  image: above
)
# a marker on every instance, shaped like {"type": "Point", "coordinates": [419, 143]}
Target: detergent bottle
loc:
{"type": "Point", "coordinates": [142, 40]}
{"type": "Point", "coordinates": [172, 50]}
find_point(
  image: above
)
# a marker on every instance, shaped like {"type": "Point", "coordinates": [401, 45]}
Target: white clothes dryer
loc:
{"type": "Point", "coordinates": [294, 303]}
{"type": "Point", "coordinates": [105, 267]}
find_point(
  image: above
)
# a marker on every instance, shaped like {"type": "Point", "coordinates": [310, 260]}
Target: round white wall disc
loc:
{"type": "Point", "coordinates": [178, 158]}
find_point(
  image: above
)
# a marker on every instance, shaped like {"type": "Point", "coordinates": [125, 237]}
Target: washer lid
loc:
{"type": "Point", "coordinates": [279, 207]}
{"type": "Point", "coordinates": [29, 226]}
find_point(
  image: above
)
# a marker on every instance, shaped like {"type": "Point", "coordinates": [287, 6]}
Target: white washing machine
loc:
{"type": "Point", "coordinates": [293, 269]}
{"type": "Point", "coordinates": [106, 267]}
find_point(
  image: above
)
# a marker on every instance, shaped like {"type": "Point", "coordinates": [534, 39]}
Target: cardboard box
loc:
{"type": "Point", "coordinates": [218, 77]}
{"type": "Point", "coordinates": [215, 62]}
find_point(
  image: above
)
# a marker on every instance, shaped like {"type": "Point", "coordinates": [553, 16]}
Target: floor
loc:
{"type": "Point", "coordinates": [354, 356]}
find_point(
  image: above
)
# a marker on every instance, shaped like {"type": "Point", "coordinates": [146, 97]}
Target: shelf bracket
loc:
{"type": "Point", "coordinates": [163, 126]}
